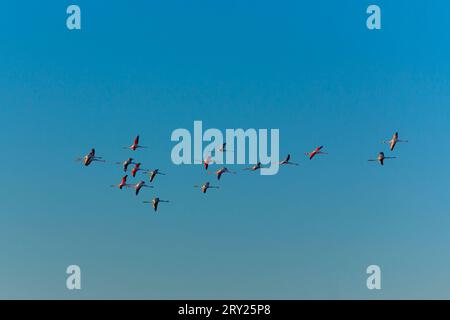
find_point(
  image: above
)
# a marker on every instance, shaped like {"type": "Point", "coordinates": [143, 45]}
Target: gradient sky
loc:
{"type": "Point", "coordinates": [310, 68]}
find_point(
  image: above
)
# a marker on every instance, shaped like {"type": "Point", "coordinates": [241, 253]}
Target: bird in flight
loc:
{"type": "Point", "coordinates": [207, 162]}
{"type": "Point", "coordinates": [223, 148]}
{"type": "Point", "coordinates": [254, 168]}
{"type": "Point", "coordinates": [126, 163]}
{"type": "Point", "coordinates": [152, 174]}
{"type": "Point", "coordinates": [89, 158]}
{"type": "Point", "coordinates": [394, 141]}
{"type": "Point", "coordinates": [135, 145]}
{"type": "Point", "coordinates": [316, 151]}
{"type": "Point", "coordinates": [205, 187]}
{"type": "Point", "coordinates": [222, 171]}
{"type": "Point", "coordinates": [287, 161]}
{"type": "Point", "coordinates": [381, 158]}
{"type": "Point", "coordinates": [136, 168]}
{"type": "Point", "coordinates": [155, 202]}
{"type": "Point", "coordinates": [141, 184]}
{"type": "Point", "coordinates": [122, 184]}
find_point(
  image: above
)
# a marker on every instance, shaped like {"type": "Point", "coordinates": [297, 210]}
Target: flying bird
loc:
{"type": "Point", "coordinates": [394, 141]}
{"type": "Point", "coordinates": [223, 148]}
{"type": "Point", "coordinates": [381, 158]}
{"type": "Point", "coordinates": [139, 186]}
{"type": "Point", "coordinates": [136, 168]}
{"type": "Point", "coordinates": [152, 174]}
{"type": "Point", "coordinates": [135, 145]}
{"type": "Point", "coordinates": [317, 150]}
{"type": "Point", "coordinates": [207, 162]}
{"type": "Point", "coordinates": [206, 186]}
{"type": "Point", "coordinates": [254, 168]}
{"type": "Point", "coordinates": [89, 158]}
{"type": "Point", "coordinates": [122, 184]}
{"type": "Point", "coordinates": [126, 163]}
{"type": "Point", "coordinates": [287, 161]}
{"type": "Point", "coordinates": [222, 171]}
{"type": "Point", "coordinates": [155, 202]}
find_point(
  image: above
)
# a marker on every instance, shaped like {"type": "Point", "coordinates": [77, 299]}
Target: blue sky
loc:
{"type": "Point", "coordinates": [310, 68]}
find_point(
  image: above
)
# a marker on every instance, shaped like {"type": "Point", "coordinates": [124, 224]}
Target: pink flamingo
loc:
{"type": "Point", "coordinates": [316, 151]}
{"type": "Point", "coordinates": [153, 173]}
{"type": "Point", "coordinates": [380, 158]}
{"type": "Point", "coordinates": [222, 171]}
{"type": "Point", "coordinates": [206, 162]}
{"type": "Point", "coordinates": [139, 186]}
{"type": "Point", "coordinates": [155, 202]}
{"type": "Point", "coordinates": [137, 167]}
{"type": "Point", "coordinates": [286, 161]}
{"type": "Point", "coordinates": [123, 183]}
{"type": "Point", "coordinates": [394, 141]}
{"type": "Point", "coordinates": [135, 145]}
{"type": "Point", "coordinates": [206, 186]}
{"type": "Point", "coordinates": [223, 148]}
{"type": "Point", "coordinates": [254, 168]}
{"type": "Point", "coordinates": [89, 158]}
{"type": "Point", "coordinates": [126, 163]}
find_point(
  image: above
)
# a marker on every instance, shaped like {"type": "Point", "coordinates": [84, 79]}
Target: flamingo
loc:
{"type": "Point", "coordinates": [141, 184]}
{"type": "Point", "coordinates": [207, 162]}
{"type": "Point", "coordinates": [316, 151]}
{"type": "Point", "coordinates": [126, 163]}
{"type": "Point", "coordinates": [222, 171]}
{"type": "Point", "coordinates": [153, 173]}
{"type": "Point", "coordinates": [381, 158]}
{"type": "Point", "coordinates": [89, 158]}
{"type": "Point", "coordinates": [135, 145]}
{"type": "Point", "coordinates": [123, 183]}
{"type": "Point", "coordinates": [136, 168]}
{"type": "Point", "coordinates": [394, 141]}
{"type": "Point", "coordinates": [155, 202]}
{"type": "Point", "coordinates": [254, 168]}
{"type": "Point", "coordinates": [223, 148]}
{"type": "Point", "coordinates": [206, 186]}
{"type": "Point", "coordinates": [286, 161]}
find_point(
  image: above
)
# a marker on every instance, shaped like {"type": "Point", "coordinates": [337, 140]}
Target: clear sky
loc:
{"type": "Point", "coordinates": [309, 68]}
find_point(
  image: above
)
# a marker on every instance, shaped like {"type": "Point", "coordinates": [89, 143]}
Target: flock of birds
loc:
{"type": "Point", "coordinates": [91, 157]}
